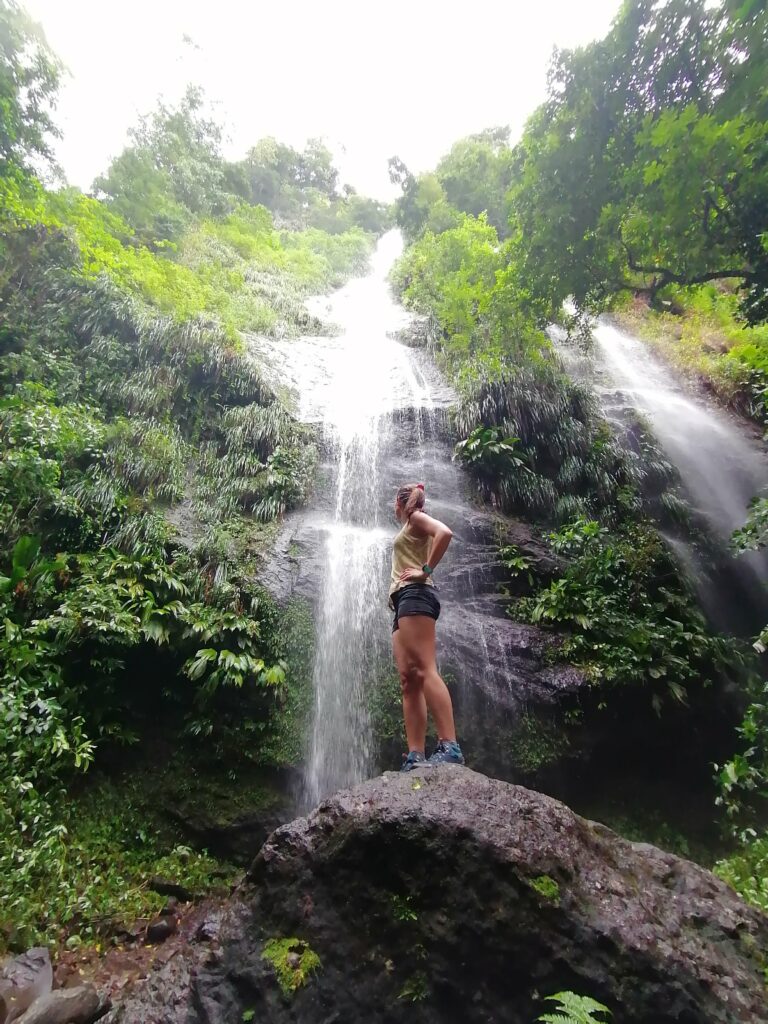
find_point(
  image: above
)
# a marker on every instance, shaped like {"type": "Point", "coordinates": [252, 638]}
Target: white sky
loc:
{"type": "Point", "coordinates": [405, 77]}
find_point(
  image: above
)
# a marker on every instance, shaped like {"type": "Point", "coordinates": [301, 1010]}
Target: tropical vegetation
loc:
{"type": "Point", "coordinates": [144, 457]}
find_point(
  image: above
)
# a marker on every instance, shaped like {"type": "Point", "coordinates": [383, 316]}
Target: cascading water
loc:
{"type": "Point", "coordinates": [721, 466]}
{"type": "Point", "coordinates": [380, 409]}
{"type": "Point", "coordinates": [359, 386]}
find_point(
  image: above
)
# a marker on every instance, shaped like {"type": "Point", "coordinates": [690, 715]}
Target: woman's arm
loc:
{"type": "Point", "coordinates": [441, 537]}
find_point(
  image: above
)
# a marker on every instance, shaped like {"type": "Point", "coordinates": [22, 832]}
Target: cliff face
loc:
{"type": "Point", "coordinates": [445, 895]}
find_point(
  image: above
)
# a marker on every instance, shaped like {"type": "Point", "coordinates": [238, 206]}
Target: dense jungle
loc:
{"type": "Point", "coordinates": [214, 373]}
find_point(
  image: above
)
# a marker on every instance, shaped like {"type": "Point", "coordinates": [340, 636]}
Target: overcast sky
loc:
{"type": "Point", "coordinates": [405, 77]}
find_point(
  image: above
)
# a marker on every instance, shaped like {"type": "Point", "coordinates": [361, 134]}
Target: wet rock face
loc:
{"type": "Point", "coordinates": [443, 895]}
{"type": "Point", "coordinates": [497, 669]}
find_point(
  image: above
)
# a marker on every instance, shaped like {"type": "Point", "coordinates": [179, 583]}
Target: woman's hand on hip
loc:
{"type": "Point", "coordinates": [413, 576]}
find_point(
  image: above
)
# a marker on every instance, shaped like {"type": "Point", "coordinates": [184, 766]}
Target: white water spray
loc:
{"type": "Point", "coordinates": [355, 385]}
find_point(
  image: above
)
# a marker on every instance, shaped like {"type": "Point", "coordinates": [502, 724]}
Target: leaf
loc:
{"type": "Point", "coordinates": [25, 551]}
{"type": "Point", "coordinates": [196, 668]}
{"type": "Point", "coordinates": [575, 1009]}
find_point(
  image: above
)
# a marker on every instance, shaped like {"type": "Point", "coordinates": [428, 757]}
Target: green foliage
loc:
{"type": "Point", "coordinates": [29, 81]}
{"type": "Point", "coordinates": [402, 908]}
{"type": "Point", "coordinates": [172, 171]}
{"type": "Point", "coordinates": [743, 780]}
{"type": "Point", "coordinates": [546, 887]}
{"type": "Point", "coordinates": [423, 206]}
{"type": "Point", "coordinates": [452, 276]}
{"type": "Point", "coordinates": [386, 710]}
{"type": "Point", "coordinates": [536, 742]}
{"type": "Point", "coordinates": [754, 533]}
{"type": "Point", "coordinates": [416, 988]}
{"type": "Point", "coordinates": [646, 165]}
{"type": "Point", "coordinates": [485, 447]}
{"type": "Point", "coordinates": [302, 188]}
{"type": "Point", "coordinates": [140, 454]}
{"type": "Point", "coordinates": [566, 461]}
{"type": "Point", "coordinates": [574, 1009]}
{"type": "Point", "coordinates": [705, 340]}
{"type": "Point", "coordinates": [87, 876]}
{"type": "Point", "coordinates": [626, 619]}
{"type": "Point", "coordinates": [747, 870]}
{"type": "Point", "coordinates": [293, 962]}
{"type": "Point", "coordinates": [476, 175]}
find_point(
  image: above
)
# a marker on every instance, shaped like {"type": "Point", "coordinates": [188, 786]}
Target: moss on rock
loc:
{"type": "Point", "coordinates": [293, 962]}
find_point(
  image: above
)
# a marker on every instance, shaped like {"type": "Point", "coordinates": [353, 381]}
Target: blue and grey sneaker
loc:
{"type": "Point", "coordinates": [414, 759]}
{"type": "Point", "coordinates": [447, 752]}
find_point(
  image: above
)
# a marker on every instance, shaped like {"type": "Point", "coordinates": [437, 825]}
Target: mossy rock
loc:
{"type": "Point", "coordinates": [293, 962]}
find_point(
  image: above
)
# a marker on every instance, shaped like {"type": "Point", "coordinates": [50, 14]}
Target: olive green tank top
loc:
{"type": "Point", "coordinates": [408, 552]}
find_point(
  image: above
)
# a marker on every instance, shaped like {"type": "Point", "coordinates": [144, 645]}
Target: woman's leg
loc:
{"type": "Point", "coordinates": [416, 644]}
{"type": "Point", "coordinates": [414, 704]}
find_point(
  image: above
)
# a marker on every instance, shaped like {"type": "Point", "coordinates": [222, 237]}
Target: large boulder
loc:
{"type": "Point", "coordinates": [444, 895]}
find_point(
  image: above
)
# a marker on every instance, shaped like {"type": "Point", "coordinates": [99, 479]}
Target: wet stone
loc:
{"type": "Point", "coordinates": [474, 898]}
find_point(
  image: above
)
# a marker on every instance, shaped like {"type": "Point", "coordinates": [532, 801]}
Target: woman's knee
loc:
{"type": "Point", "coordinates": [412, 679]}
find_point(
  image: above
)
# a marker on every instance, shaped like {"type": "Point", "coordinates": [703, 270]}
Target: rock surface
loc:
{"type": "Point", "coordinates": [80, 1005]}
{"type": "Point", "coordinates": [24, 979]}
{"type": "Point", "coordinates": [443, 895]}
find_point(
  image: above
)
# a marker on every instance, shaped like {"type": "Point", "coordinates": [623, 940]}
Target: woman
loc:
{"type": "Point", "coordinates": [418, 548]}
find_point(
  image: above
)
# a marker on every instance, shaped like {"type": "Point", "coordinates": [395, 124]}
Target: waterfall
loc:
{"type": "Point", "coordinates": [376, 404]}
{"type": "Point", "coordinates": [720, 465]}
{"type": "Point", "coordinates": [380, 410]}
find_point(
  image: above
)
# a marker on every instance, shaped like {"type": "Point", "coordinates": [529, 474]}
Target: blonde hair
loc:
{"type": "Point", "coordinates": [410, 498]}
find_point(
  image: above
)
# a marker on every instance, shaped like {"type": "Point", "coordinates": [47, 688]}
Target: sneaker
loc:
{"type": "Point", "coordinates": [447, 752]}
{"type": "Point", "coordinates": [413, 760]}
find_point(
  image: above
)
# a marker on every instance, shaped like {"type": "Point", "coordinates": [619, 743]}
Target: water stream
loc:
{"type": "Point", "coordinates": [720, 464]}
{"type": "Point", "coordinates": [378, 407]}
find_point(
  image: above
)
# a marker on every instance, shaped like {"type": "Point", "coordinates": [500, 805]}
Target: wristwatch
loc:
{"type": "Point", "coordinates": [427, 569]}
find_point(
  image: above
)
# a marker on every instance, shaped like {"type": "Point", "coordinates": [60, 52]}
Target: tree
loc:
{"type": "Point", "coordinates": [172, 171]}
{"type": "Point", "coordinates": [476, 176]}
{"type": "Point", "coordinates": [647, 164]}
{"type": "Point", "coordinates": [142, 194]}
{"type": "Point", "coordinates": [423, 205]}
{"type": "Point", "coordinates": [294, 184]}
{"type": "Point", "coordinates": [29, 81]}
{"type": "Point", "coordinates": [316, 170]}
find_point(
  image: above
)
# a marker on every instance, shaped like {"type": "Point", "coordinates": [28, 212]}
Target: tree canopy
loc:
{"type": "Point", "coordinates": [647, 164]}
{"type": "Point", "coordinates": [29, 80]}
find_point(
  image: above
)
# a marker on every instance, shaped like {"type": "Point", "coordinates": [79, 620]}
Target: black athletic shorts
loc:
{"type": "Point", "coordinates": [415, 599]}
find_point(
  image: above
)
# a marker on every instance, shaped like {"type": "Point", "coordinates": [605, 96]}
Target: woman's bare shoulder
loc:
{"type": "Point", "coordinates": [423, 523]}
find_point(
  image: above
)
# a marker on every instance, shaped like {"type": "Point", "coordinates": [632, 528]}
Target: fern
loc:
{"type": "Point", "coordinates": [575, 1009]}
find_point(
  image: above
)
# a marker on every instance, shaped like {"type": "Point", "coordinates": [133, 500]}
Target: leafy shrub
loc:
{"type": "Point", "coordinates": [85, 875]}
{"type": "Point", "coordinates": [626, 619]}
{"type": "Point", "coordinates": [743, 780]}
{"type": "Point", "coordinates": [746, 871]}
